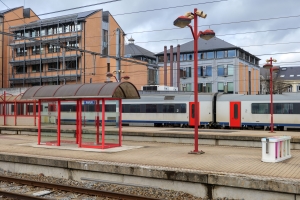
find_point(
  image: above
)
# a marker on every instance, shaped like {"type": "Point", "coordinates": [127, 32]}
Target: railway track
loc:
{"type": "Point", "coordinates": [66, 188]}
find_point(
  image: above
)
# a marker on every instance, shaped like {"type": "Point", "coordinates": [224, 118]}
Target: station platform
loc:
{"type": "Point", "coordinates": [232, 171]}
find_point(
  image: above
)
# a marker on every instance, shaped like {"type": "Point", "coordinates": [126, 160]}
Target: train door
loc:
{"type": "Point", "coordinates": [192, 113]}
{"type": "Point", "coordinates": [235, 114]}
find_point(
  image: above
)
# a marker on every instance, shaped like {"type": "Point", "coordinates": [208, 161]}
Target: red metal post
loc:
{"type": "Point", "coordinates": [34, 112]}
{"type": "Point", "coordinates": [39, 122]}
{"type": "Point", "coordinates": [271, 93]}
{"type": "Point", "coordinates": [58, 122]}
{"type": "Point", "coordinates": [77, 121]}
{"type": "Point", "coordinates": [195, 33]}
{"type": "Point", "coordinates": [120, 122]}
{"type": "Point", "coordinates": [15, 112]}
{"type": "Point", "coordinates": [103, 123]}
{"type": "Point", "coordinates": [80, 123]}
{"type": "Point", "coordinates": [4, 110]}
{"type": "Point", "coordinates": [97, 121]}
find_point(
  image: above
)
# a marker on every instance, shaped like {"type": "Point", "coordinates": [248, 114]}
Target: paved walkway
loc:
{"type": "Point", "coordinates": [217, 159]}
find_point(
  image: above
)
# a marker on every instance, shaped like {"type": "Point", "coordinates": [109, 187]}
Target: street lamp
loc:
{"type": "Point", "coordinates": [109, 75]}
{"type": "Point", "coordinates": [182, 22]}
{"type": "Point", "coordinates": [269, 65]}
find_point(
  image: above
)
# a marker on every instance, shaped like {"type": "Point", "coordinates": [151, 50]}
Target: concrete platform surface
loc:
{"type": "Point", "coordinates": [217, 159]}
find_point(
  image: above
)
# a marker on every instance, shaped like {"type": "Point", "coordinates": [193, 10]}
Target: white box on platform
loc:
{"type": "Point", "coordinates": [276, 148]}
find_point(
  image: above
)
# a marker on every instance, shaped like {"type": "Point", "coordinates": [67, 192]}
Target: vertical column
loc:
{"type": "Point", "coordinates": [15, 112]}
{"type": "Point", "coordinates": [120, 124]}
{"type": "Point", "coordinates": [80, 123]}
{"type": "Point", "coordinates": [97, 121]}
{"type": "Point", "coordinates": [34, 112]}
{"type": "Point", "coordinates": [171, 66]}
{"type": "Point", "coordinates": [178, 66]}
{"type": "Point", "coordinates": [77, 121]}
{"type": "Point", "coordinates": [58, 122]}
{"type": "Point", "coordinates": [165, 66]}
{"type": "Point", "coordinates": [39, 122]}
{"type": "Point", "coordinates": [103, 123]}
{"type": "Point", "coordinates": [4, 109]}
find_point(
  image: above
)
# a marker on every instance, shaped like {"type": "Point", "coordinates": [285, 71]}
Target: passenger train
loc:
{"type": "Point", "coordinates": [216, 110]}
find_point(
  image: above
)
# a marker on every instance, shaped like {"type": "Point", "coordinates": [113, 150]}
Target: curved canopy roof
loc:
{"type": "Point", "coordinates": [122, 90]}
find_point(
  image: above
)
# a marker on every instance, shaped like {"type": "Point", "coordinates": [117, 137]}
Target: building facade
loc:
{"type": "Point", "coordinates": [8, 18]}
{"type": "Point", "coordinates": [222, 67]}
{"type": "Point", "coordinates": [288, 79]}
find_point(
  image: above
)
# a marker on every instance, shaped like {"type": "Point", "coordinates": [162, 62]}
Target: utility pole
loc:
{"type": "Point", "coordinates": [118, 69]}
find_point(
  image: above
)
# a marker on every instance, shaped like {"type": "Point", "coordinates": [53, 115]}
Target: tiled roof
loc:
{"type": "Point", "coordinates": [135, 50]}
{"type": "Point", "coordinates": [289, 73]}
{"type": "Point", "coordinates": [203, 45]}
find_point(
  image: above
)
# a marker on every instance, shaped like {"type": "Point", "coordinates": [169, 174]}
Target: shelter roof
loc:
{"type": "Point", "coordinates": [123, 90]}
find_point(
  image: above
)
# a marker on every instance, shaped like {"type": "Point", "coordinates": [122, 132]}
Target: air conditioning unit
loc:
{"type": "Point", "coordinates": [204, 84]}
{"type": "Point", "coordinates": [183, 85]}
{"type": "Point", "coordinates": [225, 83]}
{"type": "Point", "coordinates": [184, 69]}
{"type": "Point", "coordinates": [204, 67]}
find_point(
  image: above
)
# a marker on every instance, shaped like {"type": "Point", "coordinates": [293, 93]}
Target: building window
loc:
{"type": "Point", "coordinates": [53, 67]}
{"type": "Point", "coordinates": [104, 42]}
{"type": "Point", "coordinates": [160, 58]}
{"type": "Point", "coordinates": [220, 54]}
{"type": "Point", "coordinates": [43, 31]}
{"type": "Point", "coordinates": [190, 56]}
{"type": "Point", "coordinates": [72, 45]}
{"type": "Point", "coordinates": [210, 55]}
{"type": "Point", "coordinates": [188, 87]}
{"type": "Point", "coordinates": [230, 87]}
{"type": "Point", "coordinates": [204, 71]}
{"type": "Point", "coordinates": [225, 70]}
{"type": "Point", "coordinates": [220, 87]}
{"type": "Point", "coordinates": [151, 77]}
{"type": "Point", "coordinates": [36, 68]}
{"type": "Point", "coordinates": [52, 30]}
{"type": "Point", "coordinates": [202, 56]}
{"type": "Point", "coordinates": [36, 50]}
{"type": "Point", "coordinates": [21, 69]}
{"type": "Point", "coordinates": [226, 87]}
{"type": "Point", "coordinates": [231, 53]}
{"type": "Point", "coordinates": [53, 48]}
{"type": "Point", "coordinates": [205, 87]}
{"type": "Point", "coordinates": [298, 88]}
{"type": "Point", "coordinates": [70, 65]}
{"type": "Point", "coordinates": [21, 51]}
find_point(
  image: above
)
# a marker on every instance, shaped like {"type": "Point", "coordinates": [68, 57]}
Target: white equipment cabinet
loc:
{"type": "Point", "coordinates": [276, 148]}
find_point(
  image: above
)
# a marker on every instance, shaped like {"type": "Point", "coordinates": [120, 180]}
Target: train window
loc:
{"type": "Point", "coordinates": [125, 108]}
{"type": "Point", "coordinates": [278, 108]}
{"type": "Point", "coordinates": [260, 108]}
{"type": "Point", "coordinates": [110, 108]}
{"type": "Point", "coordinates": [180, 108]}
{"type": "Point", "coordinates": [134, 108]}
{"type": "Point", "coordinates": [168, 108]}
{"type": "Point", "coordinates": [151, 108]}
{"type": "Point", "coordinates": [236, 111]}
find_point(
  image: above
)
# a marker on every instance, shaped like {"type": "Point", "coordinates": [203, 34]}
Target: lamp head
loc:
{"type": "Point", "coordinates": [200, 13]}
{"type": "Point", "coordinates": [126, 78]}
{"type": "Point", "coordinates": [182, 21]}
{"type": "Point", "coordinates": [109, 75]}
{"type": "Point", "coordinates": [207, 35]}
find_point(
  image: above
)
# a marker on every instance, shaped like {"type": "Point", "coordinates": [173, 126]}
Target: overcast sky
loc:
{"type": "Point", "coordinates": [219, 15]}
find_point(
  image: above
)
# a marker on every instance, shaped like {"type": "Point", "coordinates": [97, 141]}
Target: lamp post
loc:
{"type": "Point", "coordinates": [269, 65]}
{"type": "Point", "coordinates": [182, 22]}
{"type": "Point", "coordinates": [109, 75]}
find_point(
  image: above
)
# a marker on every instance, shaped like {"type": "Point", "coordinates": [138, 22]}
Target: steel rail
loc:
{"type": "Point", "coordinates": [19, 196]}
{"type": "Point", "coordinates": [74, 189]}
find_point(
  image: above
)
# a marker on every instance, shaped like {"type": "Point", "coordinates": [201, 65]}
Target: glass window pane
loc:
{"type": "Point", "coordinates": [220, 87]}
{"type": "Point", "coordinates": [230, 70]}
{"type": "Point", "coordinates": [220, 70]}
{"type": "Point", "coordinates": [208, 70]}
{"type": "Point", "coordinates": [230, 87]}
{"type": "Point", "coordinates": [210, 55]}
{"type": "Point", "coordinates": [231, 53]}
{"type": "Point", "coordinates": [199, 71]}
{"type": "Point", "coordinates": [220, 54]}
{"type": "Point", "coordinates": [236, 110]}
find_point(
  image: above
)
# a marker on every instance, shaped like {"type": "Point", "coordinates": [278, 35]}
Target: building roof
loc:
{"type": "Point", "coordinates": [123, 90]}
{"type": "Point", "coordinates": [203, 45]}
{"type": "Point", "coordinates": [63, 18]}
{"type": "Point", "coordinates": [289, 73]}
{"type": "Point", "coordinates": [132, 50]}
{"type": "Point", "coordinates": [8, 10]}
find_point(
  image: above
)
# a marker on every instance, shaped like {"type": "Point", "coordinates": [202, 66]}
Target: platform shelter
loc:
{"type": "Point", "coordinates": [78, 93]}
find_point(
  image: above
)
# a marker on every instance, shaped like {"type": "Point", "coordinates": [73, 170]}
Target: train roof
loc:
{"type": "Point", "coordinates": [240, 97]}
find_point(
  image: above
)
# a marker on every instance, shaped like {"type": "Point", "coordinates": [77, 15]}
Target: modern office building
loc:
{"type": "Point", "coordinates": [8, 18]}
{"type": "Point", "coordinates": [222, 67]}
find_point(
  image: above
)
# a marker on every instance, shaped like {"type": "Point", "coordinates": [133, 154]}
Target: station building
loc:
{"type": "Point", "coordinates": [222, 67]}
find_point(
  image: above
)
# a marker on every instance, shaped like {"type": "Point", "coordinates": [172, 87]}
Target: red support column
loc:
{"type": "Point", "coordinates": [120, 122]}
{"type": "Point", "coordinates": [34, 112]}
{"type": "Point", "coordinates": [77, 122]}
{"type": "Point", "coordinates": [80, 123]}
{"type": "Point", "coordinates": [15, 112]}
{"type": "Point", "coordinates": [58, 122]}
{"type": "Point", "coordinates": [39, 122]}
{"type": "Point", "coordinates": [97, 121]}
{"type": "Point", "coordinates": [271, 93]}
{"type": "Point", "coordinates": [103, 123]}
